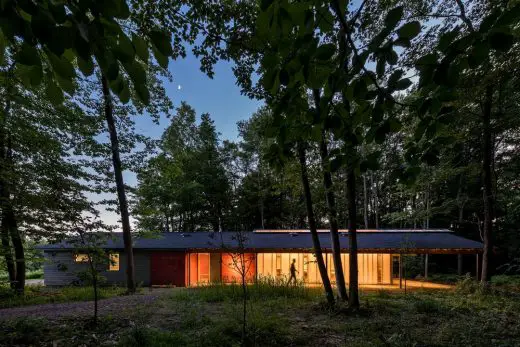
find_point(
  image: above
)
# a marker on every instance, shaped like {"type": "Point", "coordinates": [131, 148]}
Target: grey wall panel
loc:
{"type": "Point", "coordinates": [61, 270]}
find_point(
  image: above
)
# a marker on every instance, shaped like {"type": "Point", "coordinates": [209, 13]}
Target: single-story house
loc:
{"type": "Point", "coordinates": [186, 259]}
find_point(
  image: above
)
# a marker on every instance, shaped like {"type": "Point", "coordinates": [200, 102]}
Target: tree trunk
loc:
{"type": "Point", "coordinates": [19, 252]}
{"type": "Point", "coordinates": [16, 266]}
{"type": "Point", "coordinates": [312, 225]}
{"type": "Point", "coordinates": [121, 195]}
{"type": "Point", "coordinates": [365, 200]}
{"type": "Point", "coordinates": [8, 255]}
{"type": "Point", "coordinates": [487, 160]}
{"type": "Point", "coordinates": [375, 186]}
{"type": "Point", "coordinates": [331, 207]}
{"type": "Point", "coordinates": [4, 202]}
{"type": "Point", "coordinates": [333, 221]}
{"type": "Point", "coordinates": [352, 238]}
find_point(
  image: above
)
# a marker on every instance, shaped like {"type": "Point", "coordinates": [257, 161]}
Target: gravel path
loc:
{"type": "Point", "coordinates": [114, 306]}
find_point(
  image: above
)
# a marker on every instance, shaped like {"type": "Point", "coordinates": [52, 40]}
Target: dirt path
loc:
{"type": "Point", "coordinates": [115, 306]}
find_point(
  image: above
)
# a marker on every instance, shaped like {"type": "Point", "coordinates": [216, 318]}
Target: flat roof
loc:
{"type": "Point", "coordinates": [368, 242]}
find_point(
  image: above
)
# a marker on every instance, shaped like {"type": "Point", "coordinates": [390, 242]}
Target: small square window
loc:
{"type": "Point", "coordinates": [114, 262]}
{"type": "Point", "coordinates": [81, 258]}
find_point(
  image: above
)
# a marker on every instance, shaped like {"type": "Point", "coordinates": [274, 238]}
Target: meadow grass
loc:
{"type": "Point", "coordinates": [281, 315]}
{"type": "Point", "coordinates": [35, 295]}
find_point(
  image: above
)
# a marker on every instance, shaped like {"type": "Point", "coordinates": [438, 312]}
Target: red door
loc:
{"type": "Point", "coordinates": [168, 268]}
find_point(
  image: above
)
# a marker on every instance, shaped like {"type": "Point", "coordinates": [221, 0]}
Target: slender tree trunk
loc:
{"type": "Point", "coordinates": [375, 186]}
{"type": "Point", "coordinates": [8, 255]}
{"type": "Point", "coordinates": [487, 178]}
{"type": "Point", "coordinates": [331, 207]}
{"type": "Point", "coordinates": [352, 237]}
{"type": "Point", "coordinates": [312, 225]}
{"type": "Point", "coordinates": [167, 223]}
{"type": "Point", "coordinates": [428, 205]}
{"type": "Point", "coordinates": [4, 202]}
{"type": "Point", "coordinates": [365, 200]}
{"type": "Point", "coordinates": [16, 266]}
{"type": "Point", "coordinates": [120, 185]}
{"type": "Point", "coordinates": [19, 252]}
{"type": "Point", "coordinates": [333, 220]}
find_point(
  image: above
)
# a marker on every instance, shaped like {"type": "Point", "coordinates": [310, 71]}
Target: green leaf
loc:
{"type": "Point", "coordinates": [284, 77]}
{"type": "Point", "coordinates": [380, 67]}
{"type": "Point", "coordinates": [431, 157]}
{"type": "Point", "coordinates": [31, 76]}
{"type": "Point", "coordinates": [264, 4]}
{"type": "Point", "coordinates": [115, 8]}
{"type": "Point", "coordinates": [392, 57]}
{"type": "Point", "coordinates": [66, 84]}
{"type": "Point", "coordinates": [446, 39]}
{"type": "Point", "coordinates": [409, 30]}
{"type": "Point", "coordinates": [509, 17]}
{"type": "Point", "coordinates": [162, 40]}
{"type": "Point", "coordinates": [402, 42]}
{"type": "Point", "coordinates": [372, 161]}
{"type": "Point", "coordinates": [142, 93]}
{"type": "Point", "coordinates": [360, 89]}
{"type": "Point", "coordinates": [479, 53]}
{"type": "Point", "coordinates": [268, 79]}
{"type": "Point", "coordinates": [489, 20]}
{"type": "Point", "coordinates": [141, 47]}
{"type": "Point", "coordinates": [381, 132]}
{"type": "Point", "coordinates": [501, 41]}
{"type": "Point", "coordinates": [395, 125]}
{"type": "Point", "coordinates": [54, 92]}
{"type": "Point", "coordinates": [161, 59]}
{"type": "Point", "coordinates": [86, 66]}
{"type": "Point", "coordinates": [124, 49]}
{"type": "Point", "coordinates": [124, 93]}
{"type": "Point", "coordinates": [136, 72]}
{"type": "Point", "coordinates": [403, 84]}
{"type": "Point", "coordinates": [425, 60]}
{"type": "Point", "coordinates": [117, 84]}
{"type": "Point", "coordinates": [394, 77]}
{"type": "Point", "coordinates": [393, 17]}
{"type": "Point", "coordinates": [28, 55]}
{"type": "Point", "coordinates": [325, 52]}
{"type": "Point", "coordinates": [58, 11]}
{"type": "Point", "coordinates": [61, 66]}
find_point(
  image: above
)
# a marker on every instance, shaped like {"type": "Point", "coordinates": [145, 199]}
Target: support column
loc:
{"type": "Point", "coordinates": [426, 266]}
{"type": "Point", "coordinates": [477, 267]}
{"type": "Point", "coordinates": [459, 264]}
{"type": "Point", "coordinates": [400, 271]}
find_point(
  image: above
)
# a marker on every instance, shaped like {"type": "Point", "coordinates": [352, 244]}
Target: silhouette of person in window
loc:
{"type": "Point", "coordinates": [293, 273]}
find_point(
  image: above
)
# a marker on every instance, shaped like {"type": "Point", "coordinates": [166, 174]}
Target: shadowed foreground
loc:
{"type": "Point", "coordinates": [277, 316]}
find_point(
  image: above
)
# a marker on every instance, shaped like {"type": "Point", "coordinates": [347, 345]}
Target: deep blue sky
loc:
{"type": "Point", "coordinates": [220, 97]}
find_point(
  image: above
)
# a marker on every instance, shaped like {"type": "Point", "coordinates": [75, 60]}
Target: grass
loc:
{"type": "Point", "coordinates": [35, 295]}
{"type": "Point", "coordinates": [280, 315]}
{"type": "Point", "coordinates": [30, 275]}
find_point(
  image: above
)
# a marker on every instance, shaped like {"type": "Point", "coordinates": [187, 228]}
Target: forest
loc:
{"type": "Point", "coordinates": [376, 114]}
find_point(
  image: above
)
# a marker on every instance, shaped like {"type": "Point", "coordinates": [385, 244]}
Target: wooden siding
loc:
{"type": "Point", "coordinates": [60, 269]}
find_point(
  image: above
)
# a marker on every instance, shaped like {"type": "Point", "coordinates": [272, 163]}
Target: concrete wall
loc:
{"type": "Point", "coordinates": [61, 270]}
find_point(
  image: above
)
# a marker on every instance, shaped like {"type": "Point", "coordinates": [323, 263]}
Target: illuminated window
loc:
{"type": "Point", "coordinates": [81, 258]}
{"type": "Point", "coordinates": [278, 264]}
{"type": "Point", "coordinates": [114, 262]}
